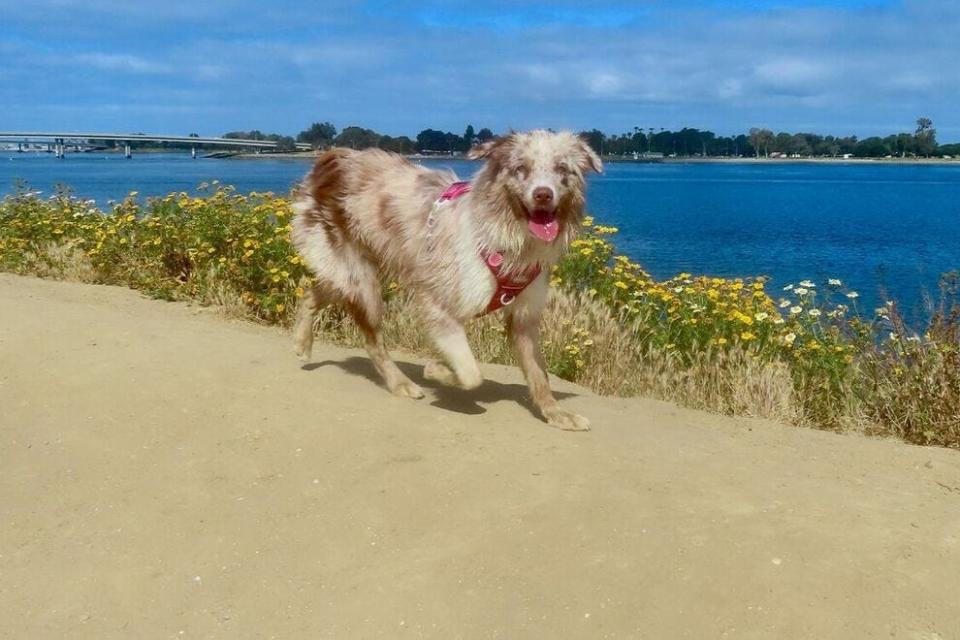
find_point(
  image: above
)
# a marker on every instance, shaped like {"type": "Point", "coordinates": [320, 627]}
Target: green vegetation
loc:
{"type": "Point", "coordinates": [639, 142]}
{"type": "Point", "coordinates": [805, 354]}
{"type": "Point", "coordinates": [687, 142]}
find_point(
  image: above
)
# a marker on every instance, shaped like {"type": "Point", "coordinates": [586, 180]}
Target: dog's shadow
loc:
{"type": "Point", "coordinates": [448, 398]}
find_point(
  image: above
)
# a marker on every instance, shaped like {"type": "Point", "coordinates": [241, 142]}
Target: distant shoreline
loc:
{"type": "Point", "coordinates": [309, 155]}
{"type": "Point", "coordinates": [936, 161]}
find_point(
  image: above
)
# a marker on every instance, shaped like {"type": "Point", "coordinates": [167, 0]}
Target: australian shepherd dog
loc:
{"type": "Point", "coordinates": [461, 249]}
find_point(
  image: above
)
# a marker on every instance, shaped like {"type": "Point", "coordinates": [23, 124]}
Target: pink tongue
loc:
{"type": "Point", "coordinates": [543, 226]}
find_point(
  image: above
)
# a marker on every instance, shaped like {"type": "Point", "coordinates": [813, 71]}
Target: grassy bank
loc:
{"type": "Point", "coordinates": [804, 354]}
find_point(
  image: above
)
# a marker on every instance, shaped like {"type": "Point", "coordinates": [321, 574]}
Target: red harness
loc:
{"type": "Point", "coordinates": [508, 288]}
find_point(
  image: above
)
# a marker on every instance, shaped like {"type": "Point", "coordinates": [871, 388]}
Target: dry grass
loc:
{"type": "Point", "coordinates": [62, 262]}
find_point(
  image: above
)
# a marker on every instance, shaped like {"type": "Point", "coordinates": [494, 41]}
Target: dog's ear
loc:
{"type": "Point", "coordinates": [588, 157]}
{"type": "Point", "coordinates": [487, 149]}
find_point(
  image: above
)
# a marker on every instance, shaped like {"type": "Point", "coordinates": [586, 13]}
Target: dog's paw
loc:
{"type": "Point", "coordinates": [407, 389]}
{"type": "Point", "coordinates": [302, 352]}
{"type": "Point", "coordinates": [439, 372]}
{"type": "Point", "coordinates": [303, 346]}
{"type": "Point", "coordinates": [470, 380]}
{"type": "Point", "coordinates": [566, 420]}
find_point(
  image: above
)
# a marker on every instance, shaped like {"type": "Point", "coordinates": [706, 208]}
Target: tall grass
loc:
{"type": "Point", "coordinates": [805, 354]}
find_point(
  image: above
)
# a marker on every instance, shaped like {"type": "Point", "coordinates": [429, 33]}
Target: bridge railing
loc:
{"type": "Point", "coordinates": [62, 138]}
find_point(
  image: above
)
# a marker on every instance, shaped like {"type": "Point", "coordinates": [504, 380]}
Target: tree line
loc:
{"type": "Point", "coordinates": [760, 142]}
{"type": "Point", "coordinates": [323, 134]}
{"type": "Point", "coordinates": [638, 142]}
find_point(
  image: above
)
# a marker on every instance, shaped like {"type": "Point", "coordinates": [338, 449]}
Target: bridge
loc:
{"type": "Point", "coordinates": [59, 141]}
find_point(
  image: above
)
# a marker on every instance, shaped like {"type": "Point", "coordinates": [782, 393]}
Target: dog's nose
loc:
{"type": "Point", "coordinates": [543, 195]}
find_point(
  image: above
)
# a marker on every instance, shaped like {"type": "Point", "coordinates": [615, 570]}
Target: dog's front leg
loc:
{"type": "Point", "coordinates": [450, 339]}
{"type": "Point", "coordinates": [523, 329]}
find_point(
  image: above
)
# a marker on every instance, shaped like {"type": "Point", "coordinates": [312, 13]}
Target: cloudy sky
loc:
{"type": "Point", "coordinates": [208, 66]}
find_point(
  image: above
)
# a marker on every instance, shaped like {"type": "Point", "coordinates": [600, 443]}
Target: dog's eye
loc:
{"type": "Point", "coordinates": [520, 171]}
{"type": "Point", "coordinates": [562, 169]}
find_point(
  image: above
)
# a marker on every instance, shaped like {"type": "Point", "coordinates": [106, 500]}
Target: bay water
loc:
{"type": "Point", "coordinates": [886, 230]}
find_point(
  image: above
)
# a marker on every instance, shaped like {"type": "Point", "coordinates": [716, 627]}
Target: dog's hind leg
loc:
{"type": "Point", "coordinates": [366, 306]}
{"type": "Point", "coordinates": [347, 277]}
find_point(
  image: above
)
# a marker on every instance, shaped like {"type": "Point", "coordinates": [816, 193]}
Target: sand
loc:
{"type": "Point", "coordinates": [167, 473]}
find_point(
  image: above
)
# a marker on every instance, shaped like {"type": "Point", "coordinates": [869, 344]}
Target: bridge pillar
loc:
{"type": "Point", "coordinates": [193, 152]}
{"type": "Point", "coordinates": [126, 150]}
{"type": "Point", "coordinates": [60, 148]}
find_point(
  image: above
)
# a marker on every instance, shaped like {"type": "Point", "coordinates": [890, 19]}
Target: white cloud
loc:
{"type": "Point", "coordinates": [792, 72]}
{"type": "Point", "coordinates": [120, 62]}
{"type": "Point", "coordinates": [604, 83]}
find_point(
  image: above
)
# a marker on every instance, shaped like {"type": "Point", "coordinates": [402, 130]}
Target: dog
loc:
{"type": "Point", "coordinates": [461, 248]}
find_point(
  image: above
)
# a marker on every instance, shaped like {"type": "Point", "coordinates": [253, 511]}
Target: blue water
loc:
{"type": "Point", "coordinates": [887, 231]}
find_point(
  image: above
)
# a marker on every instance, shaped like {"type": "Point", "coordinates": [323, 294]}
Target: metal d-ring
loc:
{"type": "Point", "coordinates": [506, 298]}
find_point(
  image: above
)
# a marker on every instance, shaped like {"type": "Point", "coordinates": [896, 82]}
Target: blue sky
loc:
{"type": "Point", "coordinates": [209, 66]}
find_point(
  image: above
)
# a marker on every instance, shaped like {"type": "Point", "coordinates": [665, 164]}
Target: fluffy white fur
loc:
{"type": "Point", "coordinates": [362, 216]}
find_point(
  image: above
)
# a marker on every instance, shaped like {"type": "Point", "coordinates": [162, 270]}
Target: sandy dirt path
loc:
{"type": "Point", "coordinates": [165, 473]}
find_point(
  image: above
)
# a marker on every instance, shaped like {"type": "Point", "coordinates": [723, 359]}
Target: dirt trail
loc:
{"type": "Point", "coordinates": [165, 473]}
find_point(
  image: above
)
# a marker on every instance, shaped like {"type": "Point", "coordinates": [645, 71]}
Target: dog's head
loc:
{"type": "Point", "coordinates": [540, 174]}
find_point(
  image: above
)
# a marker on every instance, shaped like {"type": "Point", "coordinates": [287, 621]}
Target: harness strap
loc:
{"type": "Point", "coordinates": [508, 288]}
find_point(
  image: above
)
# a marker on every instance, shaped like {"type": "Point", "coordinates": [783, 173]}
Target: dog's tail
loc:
{"type": "Point", "coordinates": [319, 200]}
